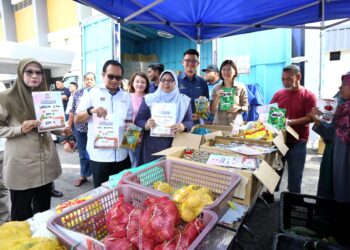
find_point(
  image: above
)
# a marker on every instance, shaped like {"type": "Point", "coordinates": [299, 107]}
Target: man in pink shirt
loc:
{"type": "Point", "coordinates": [298, 102]}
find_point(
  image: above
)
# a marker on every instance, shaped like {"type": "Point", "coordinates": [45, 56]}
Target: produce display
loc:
{"type": "Point", "coordinates": [26, 235]}
{"type": "Point", "coordinates": [156, 226]}
{"type": "Point", "coordinates": [164, 187]}
{"type": "Point", "coordinates": [191, 200]}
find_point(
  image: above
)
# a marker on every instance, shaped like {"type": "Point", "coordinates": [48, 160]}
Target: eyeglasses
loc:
{"type": "Point", "coordinates": [167, 81]}
{"type": "Point", "coordinates": [117, 78]}
{"type": "Point", "coordinates": [193, 61]}
{"type": "Point", "coordinates": [32, 72]}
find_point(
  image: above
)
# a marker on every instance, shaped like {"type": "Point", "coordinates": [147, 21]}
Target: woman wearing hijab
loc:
{"type": "Point", "coordinates": [167, 92]}
{"type": "Point", "coordinates": [228, 74]}
{"type": "Point", "coordinates": [31, 161]}
{"type": "Point", "coordinates": [339, 133]}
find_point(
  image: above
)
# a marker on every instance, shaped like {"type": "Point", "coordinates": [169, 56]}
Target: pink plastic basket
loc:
{"type": "Point", "coordinates": [83, 226]}
{"type": "Point", "coordinates": [179, 174]}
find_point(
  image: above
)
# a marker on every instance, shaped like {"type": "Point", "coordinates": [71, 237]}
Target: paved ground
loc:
{"type": "Point", "coordinates": [262, 221]}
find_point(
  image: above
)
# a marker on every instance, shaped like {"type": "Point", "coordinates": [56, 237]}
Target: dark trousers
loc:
{"type": "Point", "coordinates": [295, 159]}
{"type": "Point", "coordinates": [26, 203]}
{"type": "Point", "coordinates": [102, 170]}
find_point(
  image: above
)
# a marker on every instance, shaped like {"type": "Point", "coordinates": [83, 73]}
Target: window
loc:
{"type": "Point", "coordinates": [22, 5]}
{"type": "Point", "coordinates": [334, 56]}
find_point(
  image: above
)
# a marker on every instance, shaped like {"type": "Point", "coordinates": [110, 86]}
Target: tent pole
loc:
{"type": "Point", "coordinates": [135, 14]}
{"type": "Point", "coordinates": [199, 51]}
{"type": "Point", "coordinates": [321, 49]}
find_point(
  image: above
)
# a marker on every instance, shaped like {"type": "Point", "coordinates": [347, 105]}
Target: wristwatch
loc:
{"type": "Point", "coordinates": [89, 110]}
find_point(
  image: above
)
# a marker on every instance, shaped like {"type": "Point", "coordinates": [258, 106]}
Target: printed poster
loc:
{"type": "Point", "coordinates": [164, 115]}
{"type": "Point", "coordinates": [49, 110]}
{"type": "Point", "coordinates": [106, 131]}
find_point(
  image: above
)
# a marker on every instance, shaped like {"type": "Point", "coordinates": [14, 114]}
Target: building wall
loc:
{"type": "Point", "coordinates": [62, 14]}
{"type": "Point", "coordinates": [24, 19]}
{"type": "Point", "coordinates": [331, 71]}
{"type": "Point", "coordinates": [1, 31]}
{"type": "Point", "coordinates": [267, 57]}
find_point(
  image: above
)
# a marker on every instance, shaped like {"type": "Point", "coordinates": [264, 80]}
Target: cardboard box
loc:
{"type": "Point", "coordinates": [193, 140]}
{"type": "Point", "coordinates": [272, 159]}
{"type": "Point", "coordinates": [321, 146]}
{"type": "Point", "coordinates": [226, 130]}
{"type": "Point", "coordinates": [251, 182]}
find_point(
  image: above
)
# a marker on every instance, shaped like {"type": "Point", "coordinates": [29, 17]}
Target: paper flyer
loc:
{"type": "Point", "coordinates": [233, 161]}
{"type": "Point", "coordinates": [164, 115]}
{"type": "Point", "coordinates": [49, 110]}
{"type": "Point", "coordinates": [106, 131]}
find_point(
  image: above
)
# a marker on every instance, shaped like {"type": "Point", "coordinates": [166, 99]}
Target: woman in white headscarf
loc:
{"type": "Point", "coordinates": [168, 92]}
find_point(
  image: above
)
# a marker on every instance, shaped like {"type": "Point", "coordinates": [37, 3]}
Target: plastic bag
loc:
{"type": "Point", "coordinates": [131, 137]}
{"type": "Point", "coordinates": [118, 217]}
{"type": "Point", "coordinates": [201, 105]}
{"type": "Point", "coordinates": [160, 218]}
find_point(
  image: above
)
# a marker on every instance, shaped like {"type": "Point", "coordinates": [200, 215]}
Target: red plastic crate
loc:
{"type": "Point", "coordinates": [179, 174]}
{"type": "Point", "coordinates": [83, 226]}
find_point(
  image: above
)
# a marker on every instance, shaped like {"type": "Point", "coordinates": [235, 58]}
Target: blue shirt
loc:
{"type": "Point", "coordinates": [65, 91]}
{"type": "Point", "coordinates": [81, 127]}
{"type": "Point", "coordinates": [152, 87]}
{"type": "Point", "coordinates": [211, 88]}
{"type": "Point", "coordinates": [193, 88]}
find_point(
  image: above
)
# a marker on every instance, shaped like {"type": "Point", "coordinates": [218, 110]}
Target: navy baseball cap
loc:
{"type": "Point", "coordinates": [211, 67]}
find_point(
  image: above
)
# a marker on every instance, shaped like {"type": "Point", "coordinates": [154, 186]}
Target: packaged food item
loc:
{"type": "Point", "coordinates": [191, 200]}
{"type": "Point", "coordinates": [131, 137]}
{"type": "Point", "coordinates": [227, 99]}
{"type": "Point", "coordinates": [277, 117]}
{"type": "Point", "coordinates": [73, 202]}
{"type": "Point", "coordinates": [202, 105]}
{"type": "Point", "coordinates": [163, 186]}
{"type": "Point", "coordinates": [264, 110]}
{"type": "Point", "coordinates": [327, 107]}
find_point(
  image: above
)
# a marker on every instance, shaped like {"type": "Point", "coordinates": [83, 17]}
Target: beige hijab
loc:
{"type": "Point", "coordinates": [18, 100]}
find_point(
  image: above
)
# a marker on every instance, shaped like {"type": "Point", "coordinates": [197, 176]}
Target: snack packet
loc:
{"type": "Point", "coordinates": [131, 137]}
{"type": "Point", "coordinates": [327, 106]}
{"type": "Point", "coordinates": [228, 99]}
{"type": "Point", "coordinates": [202, 105]}
{"type": "Point", "coordinates": [277, 118]}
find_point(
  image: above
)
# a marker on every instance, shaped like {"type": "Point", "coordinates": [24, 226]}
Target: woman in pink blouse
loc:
{"type": "Point", "coordinates": [138, 88]}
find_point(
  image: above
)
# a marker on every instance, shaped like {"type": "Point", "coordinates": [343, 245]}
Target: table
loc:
{"type": "Point", "coordinates": [221, 237]}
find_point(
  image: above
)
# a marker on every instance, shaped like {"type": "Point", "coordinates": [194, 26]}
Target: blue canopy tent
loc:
{"type": "Point", "coordinates": [203, 20]}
